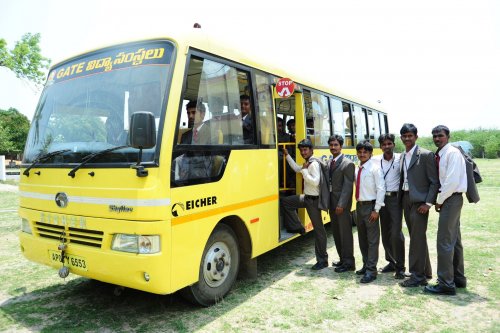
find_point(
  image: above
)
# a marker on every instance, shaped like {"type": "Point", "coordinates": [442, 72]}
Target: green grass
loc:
{"type": "Point", "coordinates": [287, 296]}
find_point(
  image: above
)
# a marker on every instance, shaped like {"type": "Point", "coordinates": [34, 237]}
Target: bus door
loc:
{"type": "Point", "coordinates": [291, 111]}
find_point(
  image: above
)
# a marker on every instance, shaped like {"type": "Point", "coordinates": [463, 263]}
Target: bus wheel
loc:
{"type": "Point", "coordinates": [218, 269]}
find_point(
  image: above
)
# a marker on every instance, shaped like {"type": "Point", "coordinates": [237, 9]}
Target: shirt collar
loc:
{"type": "Point", "coordinates": [444, 149]}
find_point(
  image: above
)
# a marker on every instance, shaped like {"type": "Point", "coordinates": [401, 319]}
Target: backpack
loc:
{"type": "Point", "coordinates": [324, 188]}
{"type": "Point", "coordinates": [473, 177]}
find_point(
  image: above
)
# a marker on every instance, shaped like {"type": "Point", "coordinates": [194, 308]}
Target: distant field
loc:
{"type": "Point", "coordinates": [287, 296]}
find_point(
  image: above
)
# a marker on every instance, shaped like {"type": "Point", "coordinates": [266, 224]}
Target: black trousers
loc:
{"type": "Point", "coordinates": [342, 234]}
{"type": "Point", "coordinates": [368, 236]}
{"type": "Point", "coordinates": [393, 239]}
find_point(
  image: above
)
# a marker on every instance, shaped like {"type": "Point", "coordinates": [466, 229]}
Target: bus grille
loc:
{"type": "Point", "coordinates": [73, 235]}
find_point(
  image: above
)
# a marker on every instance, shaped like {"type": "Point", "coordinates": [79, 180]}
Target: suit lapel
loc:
{"type": "Point", "coordinates": [415, 156]}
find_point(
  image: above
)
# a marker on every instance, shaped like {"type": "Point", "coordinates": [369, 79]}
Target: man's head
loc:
{"type": "Point", "coordinates": [306, 148]}
{"type": "Point", "coordinates": [279, 124]}
{"type": "Point", "coordinates": [387, 143]}
{"type": "Point", "coordinates": [408, 135]}
{"type": "Point", "coordinates": [335, 143]}
{"type": "Point", "coordinates": [245, 105]}
{"type": "Point", "coordinates": [291, 126]}
{"type": "Point", "coordinates": [440, 136]}
{"type": "Point", "coordinates": [364, 151]}
{"type": "Point", "coordinates": [195, 112]}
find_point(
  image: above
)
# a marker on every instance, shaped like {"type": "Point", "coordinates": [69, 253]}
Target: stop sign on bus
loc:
{"type": "Point", "coordinates": [285, 87]}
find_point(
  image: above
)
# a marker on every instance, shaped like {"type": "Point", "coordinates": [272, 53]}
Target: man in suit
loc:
{"type": "Point", "coordinates": [391, 215]}
{"type": "Point", "coordinates": [341, 171]}
{"type": "Point", "coordinates": [419, 185]}
{"type": "Point", "coordinates": [453, 183]}
{"type": "Point", "coordinates": [246, 119]}
{"type": "Point", "coordinates": [199, 131]}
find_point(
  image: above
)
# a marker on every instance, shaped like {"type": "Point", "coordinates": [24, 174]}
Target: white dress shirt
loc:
{"type": "Point", "coordinates": [452, 174]}
{"type": "Point", "coordinates": [371, 184]}
{"type": "Point", "coordinates": [311, 175]}
{"type": "Point", "coordinates": [390, 171]}
{"type": "Point", "coordinates": [405, 164]}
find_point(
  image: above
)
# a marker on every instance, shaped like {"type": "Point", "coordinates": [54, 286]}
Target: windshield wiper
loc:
{"type": "Point", "coordinates": [42, 158]}
{"type": "Point", "coordinates": [90, 157]}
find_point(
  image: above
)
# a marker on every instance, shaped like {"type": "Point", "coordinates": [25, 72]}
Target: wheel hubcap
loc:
{"type": "Point", "coordinates": [217, 264]}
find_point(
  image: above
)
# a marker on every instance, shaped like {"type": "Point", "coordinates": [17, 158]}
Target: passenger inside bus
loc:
{"type": "Point", "coordinates": [246, 119]}
{"type": "Point", "coordinates": [290, 125]}
{"type": "Point", "coordinates": [199, 131]}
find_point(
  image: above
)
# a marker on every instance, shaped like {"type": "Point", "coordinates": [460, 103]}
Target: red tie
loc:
{"type": "Point", "coordinates": [332, 166]}
{"type": "Point", "coordinates": [437, 158]}
{"type": "Point", "coordinates": [358, 179]}
{"type": "Point", "coordinates": [195, 135]}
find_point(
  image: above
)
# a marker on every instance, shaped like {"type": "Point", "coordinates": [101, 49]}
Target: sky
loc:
{"type": "Point", "coordinates": [428, 62]}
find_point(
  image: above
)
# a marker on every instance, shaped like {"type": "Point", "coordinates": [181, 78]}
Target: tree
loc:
{"type": "Point", "coordinates": [25, 60]}
{"type": "Point", "coordinates": [15, 127]}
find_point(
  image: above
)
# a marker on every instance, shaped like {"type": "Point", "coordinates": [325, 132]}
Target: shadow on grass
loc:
{"type": "Point", "coordinates": [88, 305]}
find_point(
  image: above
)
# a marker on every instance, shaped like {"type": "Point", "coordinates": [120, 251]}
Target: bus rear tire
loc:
{"type": "Point", "coordinates": [218, 268]}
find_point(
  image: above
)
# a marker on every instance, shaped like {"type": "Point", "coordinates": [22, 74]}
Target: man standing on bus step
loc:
{"type": "Point", "coordinates": [453, 183]}
{"type": "Point", "coordinates": [419, 185]}
{"type": "Point", "coordinates": [370, 194]}
{"type": "Point", "coordinates": [391, 215]}
{"type": "Point", "coordinates": [199, 132]}
{"type": "Point", "coordinates": [310, 171]}
{"type": "Point", "coordinates": [341, 180]}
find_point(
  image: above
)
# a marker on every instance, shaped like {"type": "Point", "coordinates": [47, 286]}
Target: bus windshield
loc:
{"type": "Point", "coordinates": [87, 103]}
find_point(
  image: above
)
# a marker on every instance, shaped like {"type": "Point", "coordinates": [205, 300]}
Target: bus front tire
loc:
{"type": "Point", "coordinates": [218, 269]}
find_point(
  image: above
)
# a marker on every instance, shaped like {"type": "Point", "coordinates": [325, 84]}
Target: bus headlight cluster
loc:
{"type": "Point", "coordinates": [25, 226]}
{"type": "Point", "coordinates": [143, 244]}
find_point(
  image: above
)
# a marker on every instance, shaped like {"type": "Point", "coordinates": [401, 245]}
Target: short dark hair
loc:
{"type": "Point", "coordinates": [290, 121]}
{"type": "Point", "coordinates": [440, 128]}
{"type": "Point", "coordinates": [279, 120]}
{"type": "Point", "coordinates": [387, 136]}
{"type": "Point", "coordinates": [336, 137]}
{"type": "Point", "coordinates": [244, 98]}
{"type": "Point", "coordinates": [366, 145]}
{"type": "Point", "coordinates": [194, 104]}
{"type": "Point", "coordinates": [306, 143]}
{"type": "Point", "coordinates": [408, 128]}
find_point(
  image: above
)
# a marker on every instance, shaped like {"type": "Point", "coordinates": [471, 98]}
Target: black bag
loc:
{"type": "Point", "coordinates": [473, 177]}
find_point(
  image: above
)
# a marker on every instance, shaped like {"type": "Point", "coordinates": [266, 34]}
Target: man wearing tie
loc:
{"type": "Point", "coordinates": [199, 132]}
{"type": "Point", "coordinates": [453, 183]}
{"type": "Point", "coordinates": [370, 193]}
{"type": "Point", "coordinates": [341, 171]}
{"type": "Point", "coordinates": [418, 191]}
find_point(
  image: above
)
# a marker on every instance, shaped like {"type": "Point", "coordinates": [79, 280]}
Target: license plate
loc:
{"type": "Point", "coordinates": [70, 260]}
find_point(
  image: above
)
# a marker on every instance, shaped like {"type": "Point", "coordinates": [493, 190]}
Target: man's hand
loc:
{"type": "Point", "coordinates": [339, 211]}
{"type": "Point", "coordinates": [438, 207]}
{"type": "Point", "coordinates": [285, 152]}
{"type": "Point", "coordinates": [373, 217]}
{"type": "Point", "coordinates": [423, 209]}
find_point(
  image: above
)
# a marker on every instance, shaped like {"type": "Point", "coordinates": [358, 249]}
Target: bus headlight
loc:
{"type": "Point", "coordinates": [25, 226]}
{"type": "Point", "coordinates": [143, 244]}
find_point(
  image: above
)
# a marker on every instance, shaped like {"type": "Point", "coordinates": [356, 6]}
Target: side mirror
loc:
{"type": "Point", "coordinates": [142, 130]}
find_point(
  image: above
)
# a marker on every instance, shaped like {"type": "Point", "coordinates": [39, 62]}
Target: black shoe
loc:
{"type": "Point", "coordinates": [411, 283]}
{"type": "Point", "coordinates": [368, 277]}
{"type": "Point", "coordinates": [428, 277]}
{"type": "Point", "coordinates": [344, 268]}
{"type": "Point", "coordinates": [439, 289]}
{"type": "Point", "coordinates": [461, 283]}
{"type": "Point", "coordinates": [362, 271]}
{"type": "Point", "coordinates": [319, 265]}
{"type": "Point", "coordinates": [337, 263]}
{"type": "Point", "coordinates": [388, 268]}
{"type": "Point", "coordinates": [400, 275]}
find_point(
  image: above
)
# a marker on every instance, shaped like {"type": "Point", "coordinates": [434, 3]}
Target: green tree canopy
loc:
{"type": "Point", "coordinates": [14, 128]}
{"type": "Point", "coordinates": [25, 60]}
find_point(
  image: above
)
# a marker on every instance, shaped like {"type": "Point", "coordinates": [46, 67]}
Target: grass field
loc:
{"type": "Point", "coordinates": [287, 296]}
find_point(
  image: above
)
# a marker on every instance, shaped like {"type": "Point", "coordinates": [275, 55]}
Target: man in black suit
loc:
{"type": "Point", "coordinates": [199, 132]}
{"type": "Point", "coordinates": [341, 171]}
{"type": "Point", "coordinates": [418, 191]}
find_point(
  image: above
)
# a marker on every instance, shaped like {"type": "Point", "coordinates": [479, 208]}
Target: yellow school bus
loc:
{"type": "Point", "coordinates": [115, 186]}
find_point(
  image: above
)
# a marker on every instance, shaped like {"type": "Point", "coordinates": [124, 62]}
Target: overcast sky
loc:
{"type": "Point", "coordinates": [429, 62]}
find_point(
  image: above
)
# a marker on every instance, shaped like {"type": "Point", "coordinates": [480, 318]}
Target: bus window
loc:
{"type": "Point", "coordinates": [383, 123]}
{"type": "Point", "coordinates": [337, 117]}
{"type": "Point", "coordinates": [265, 109]}
{"type": "Point", "coordinates": [371, 126]}
{"type": "Point", "coordinates": [360, 131]}
{"type": "Point", "coordinates": [317, 118]}
{"type": "Point", "coordinates": [349, 140]}
{"type": "Point", "coordinates": [375, 132]}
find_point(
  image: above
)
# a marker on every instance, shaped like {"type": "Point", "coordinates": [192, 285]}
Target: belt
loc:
{"type": "Point", "coordinates": [456, 193]}
{"type": "Point", "coordinates": [312, 197]}
{"type": "Point", "coordinates": [370, 202]}
{"type": "Point", "coordinates": [391, 194]}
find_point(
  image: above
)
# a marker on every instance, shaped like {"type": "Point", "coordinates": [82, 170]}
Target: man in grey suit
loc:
{"type": "Point", "coordinates": [341, 171]}
{"type": "Point", "coordinates": [418, 190]}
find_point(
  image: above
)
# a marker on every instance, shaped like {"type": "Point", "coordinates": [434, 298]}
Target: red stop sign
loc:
{"type": "Point", "coordinates": [285, 87]}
